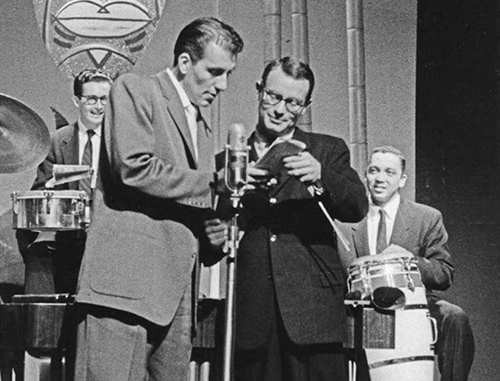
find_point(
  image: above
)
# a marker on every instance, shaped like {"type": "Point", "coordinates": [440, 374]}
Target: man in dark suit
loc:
{"type": "Point", "coordinates": [157, 166]}
{"type": "Point", "coordinates": [420, 230]}
{"type": "Point", "coordinates": [290, 286]}
{"type": "Point", "coordinates": [52, 260]}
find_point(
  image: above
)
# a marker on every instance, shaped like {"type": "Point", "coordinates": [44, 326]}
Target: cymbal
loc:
{"type": "Point", "coordinates": [24, 136]}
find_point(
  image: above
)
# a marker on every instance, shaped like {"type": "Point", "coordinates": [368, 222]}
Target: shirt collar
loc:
{"type": "Point", "coordinates": [391, 208]}
{"type": "Point", "coordinates": [83, 130]}
{"type": "Point", "coordinates": [180, 90]}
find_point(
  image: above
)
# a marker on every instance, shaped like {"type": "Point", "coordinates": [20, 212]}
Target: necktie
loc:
{"type": "Point", "coordinates": [381, 233]}
{"type": "Point", "coordinates": [192, 116]}
{"type": "Point", "coordinates": [85, 184]}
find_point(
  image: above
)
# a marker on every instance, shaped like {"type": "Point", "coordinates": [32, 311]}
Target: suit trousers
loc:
{"type": "Point", "coordinates": [455, 345]}
{"type": "Point", "coordinates": [118, 346]}
{"type": "Point", "coordinates": [280, 359]}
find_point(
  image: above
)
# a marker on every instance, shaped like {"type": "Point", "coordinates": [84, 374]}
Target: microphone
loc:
{"type": "Point", "coordinates": [236, 159]}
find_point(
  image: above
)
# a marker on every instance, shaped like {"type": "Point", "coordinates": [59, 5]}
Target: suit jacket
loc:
{"type": "Point", "coordinates": [289, 250]}
{"type": "Point", "coordinates": [419, 229]}
{"type": "Point", "coordinates": [142, 242]}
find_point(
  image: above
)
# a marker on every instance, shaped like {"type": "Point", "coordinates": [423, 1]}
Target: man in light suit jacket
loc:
{"type": "Point", "coordinates": [52, 260]}
{"type": "Point", "coordinates": [419, 229]}
{"type": "Point", "coordinates": [157, 166]}
{"type": "Point", "coordinates": [290, 314]}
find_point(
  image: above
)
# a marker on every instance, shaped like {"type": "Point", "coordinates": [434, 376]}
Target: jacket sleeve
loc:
{"type": "Point", "coordinates": [434, 258]}
{"type": "Point", "coordinates": [346, 198]}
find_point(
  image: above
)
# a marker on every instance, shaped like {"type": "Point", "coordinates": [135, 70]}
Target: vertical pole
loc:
{"type": "Point", "coordinates": [300, 38]}
{"type": "Point", "coordinates": [272, 30]}
{"type": "Point", "coordinates": [357, 87]}
{"type": "Point", "coordinates": [229, 315]}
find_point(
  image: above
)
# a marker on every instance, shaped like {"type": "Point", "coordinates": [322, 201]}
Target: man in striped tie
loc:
{"type": "Point", "coordinates": [52, 260]}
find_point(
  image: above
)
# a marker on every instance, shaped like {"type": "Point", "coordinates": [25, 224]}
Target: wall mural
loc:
{"type": "Point", "coordinates": [104, 34]}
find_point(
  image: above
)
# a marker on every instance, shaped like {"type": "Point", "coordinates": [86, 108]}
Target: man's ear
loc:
{"type": "Point", "coordinates": [402, 182]}
{"type": "Point", "coordinates": [76, 100]}
{"type": "Point", "coordinates": [259, 85]}
{"type": "Point", "coordinates": [184, 63]}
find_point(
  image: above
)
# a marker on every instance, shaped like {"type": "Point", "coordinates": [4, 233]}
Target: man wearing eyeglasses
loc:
{"type": "Point", "coordinates": [290, 285]}
{"type": "Point", "coordinates": [52, 260]}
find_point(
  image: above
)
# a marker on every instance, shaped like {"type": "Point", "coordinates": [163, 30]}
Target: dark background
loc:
{"type": "Point", "coordinates": [458, 154]}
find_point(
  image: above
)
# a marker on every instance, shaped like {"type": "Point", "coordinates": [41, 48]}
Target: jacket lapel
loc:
{"type": "Point", "coordinates": [69, 152]}
{"type": "Point", "coordinates": [360, 238]}
{"type": "Point", "coordinates": [401, 225]}
{"type": "Point", "coordinates": [177, 112]}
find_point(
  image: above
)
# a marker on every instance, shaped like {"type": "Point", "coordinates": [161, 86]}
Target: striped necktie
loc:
{"type": "Point", "coordinates": [85, 184]}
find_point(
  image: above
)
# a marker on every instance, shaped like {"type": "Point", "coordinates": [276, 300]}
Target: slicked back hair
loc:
{"type": "Point", "coordinates": [194, 38]}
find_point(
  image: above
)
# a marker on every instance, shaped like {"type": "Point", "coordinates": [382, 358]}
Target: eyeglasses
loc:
{"type": "Point", "coordinates": [271, 98]}
{"type": "Point", "coordinates": [92, 99]}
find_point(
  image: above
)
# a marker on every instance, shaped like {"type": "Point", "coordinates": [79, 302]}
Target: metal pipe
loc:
{"type": "Point", "coordinates": [300, 38]}
{"type": "Point", "coordinates": [272, 30]}
{"type": "Point", "coordinates": [357, 87]}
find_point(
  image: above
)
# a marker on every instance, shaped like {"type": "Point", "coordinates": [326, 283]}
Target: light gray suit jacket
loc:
{"type": "Point", "coordinates": [419, 229]}
{"type": "Point", "coordinates": [142, 242]}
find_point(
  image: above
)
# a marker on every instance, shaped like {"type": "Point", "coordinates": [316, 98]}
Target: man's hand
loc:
{"type": "Point", "coordinates": [304, 166]}
{"type": "Point", "coordinates": [257, 178]}
{"type": "Point", "coordinates": [217, 232]}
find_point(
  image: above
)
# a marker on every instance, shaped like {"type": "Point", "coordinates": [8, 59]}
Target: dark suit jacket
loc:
{"type": "Point", "coordinates": [289, 249]}
{"type": "Point", "coordinates": [419, 229]}
{"type": "Point", "coordinates": [64, 150]}
{"type": "Point", "coordinates": [142, 241]}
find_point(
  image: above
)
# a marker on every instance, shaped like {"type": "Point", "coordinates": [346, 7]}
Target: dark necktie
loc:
{"type": "Point", "coordinates": [85, 184]}
{"type": "Point", "coordinates": [381, 233]}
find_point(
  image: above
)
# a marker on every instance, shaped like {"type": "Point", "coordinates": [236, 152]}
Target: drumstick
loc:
{"type": "Point", "coordinates": [337, 230]}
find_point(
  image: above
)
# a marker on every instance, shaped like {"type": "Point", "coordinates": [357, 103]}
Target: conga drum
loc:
{"type": "Point", "coordinates": [393, 282]}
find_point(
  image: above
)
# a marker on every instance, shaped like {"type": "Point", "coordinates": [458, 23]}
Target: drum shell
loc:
{"type": "Point", "coordinates": [50, 210]}
{"type": "Point", "coordinates": [412, 358]}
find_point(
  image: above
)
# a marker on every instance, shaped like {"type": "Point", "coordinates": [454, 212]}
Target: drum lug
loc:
{"type": "Point", "coordinates": [434, 330]}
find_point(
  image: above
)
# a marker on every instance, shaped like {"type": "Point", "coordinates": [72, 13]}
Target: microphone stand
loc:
{"type": "Point", "coordinates": [237, 191]}
{"type": "Point", "coordinates": [230, 294]}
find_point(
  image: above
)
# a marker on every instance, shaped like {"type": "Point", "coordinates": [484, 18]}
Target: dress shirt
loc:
{"type": "Point", "coordinates": [96, 148]}
{"type": "Point", "coordinates": [391, 208]}
{"type": "Point", "coordinates": [190, 110]}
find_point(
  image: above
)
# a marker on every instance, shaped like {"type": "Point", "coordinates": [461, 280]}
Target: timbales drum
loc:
{"type": "Point", "coordinates": [394, 285]}
{"type": "Point", "coordinates": [50, 210]}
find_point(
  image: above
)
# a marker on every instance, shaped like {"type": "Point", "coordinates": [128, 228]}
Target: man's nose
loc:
{"type": "Point", "coordinates": [221, 82]}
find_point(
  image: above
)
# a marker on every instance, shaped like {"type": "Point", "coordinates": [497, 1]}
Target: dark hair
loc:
{"type": "Point", "coordinates": [394, 151]}
{"type": "Point", "coordinates": [198, 34]}
{"type": "Point", "coordinates": [89, 75]}
{"type": "Point", "coordinates": [294, 68]}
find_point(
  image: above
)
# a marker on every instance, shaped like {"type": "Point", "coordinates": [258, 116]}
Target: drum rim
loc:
{"type": "Point", "coordinates": [381, 258]}
{"type": "Point", "coordinates": [35, 194]}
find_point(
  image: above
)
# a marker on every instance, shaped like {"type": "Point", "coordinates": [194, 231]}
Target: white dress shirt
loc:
{"type": "Point", "coordinates": [391, 208]}
{"type": "Point", "coordinates": [190, 110]}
